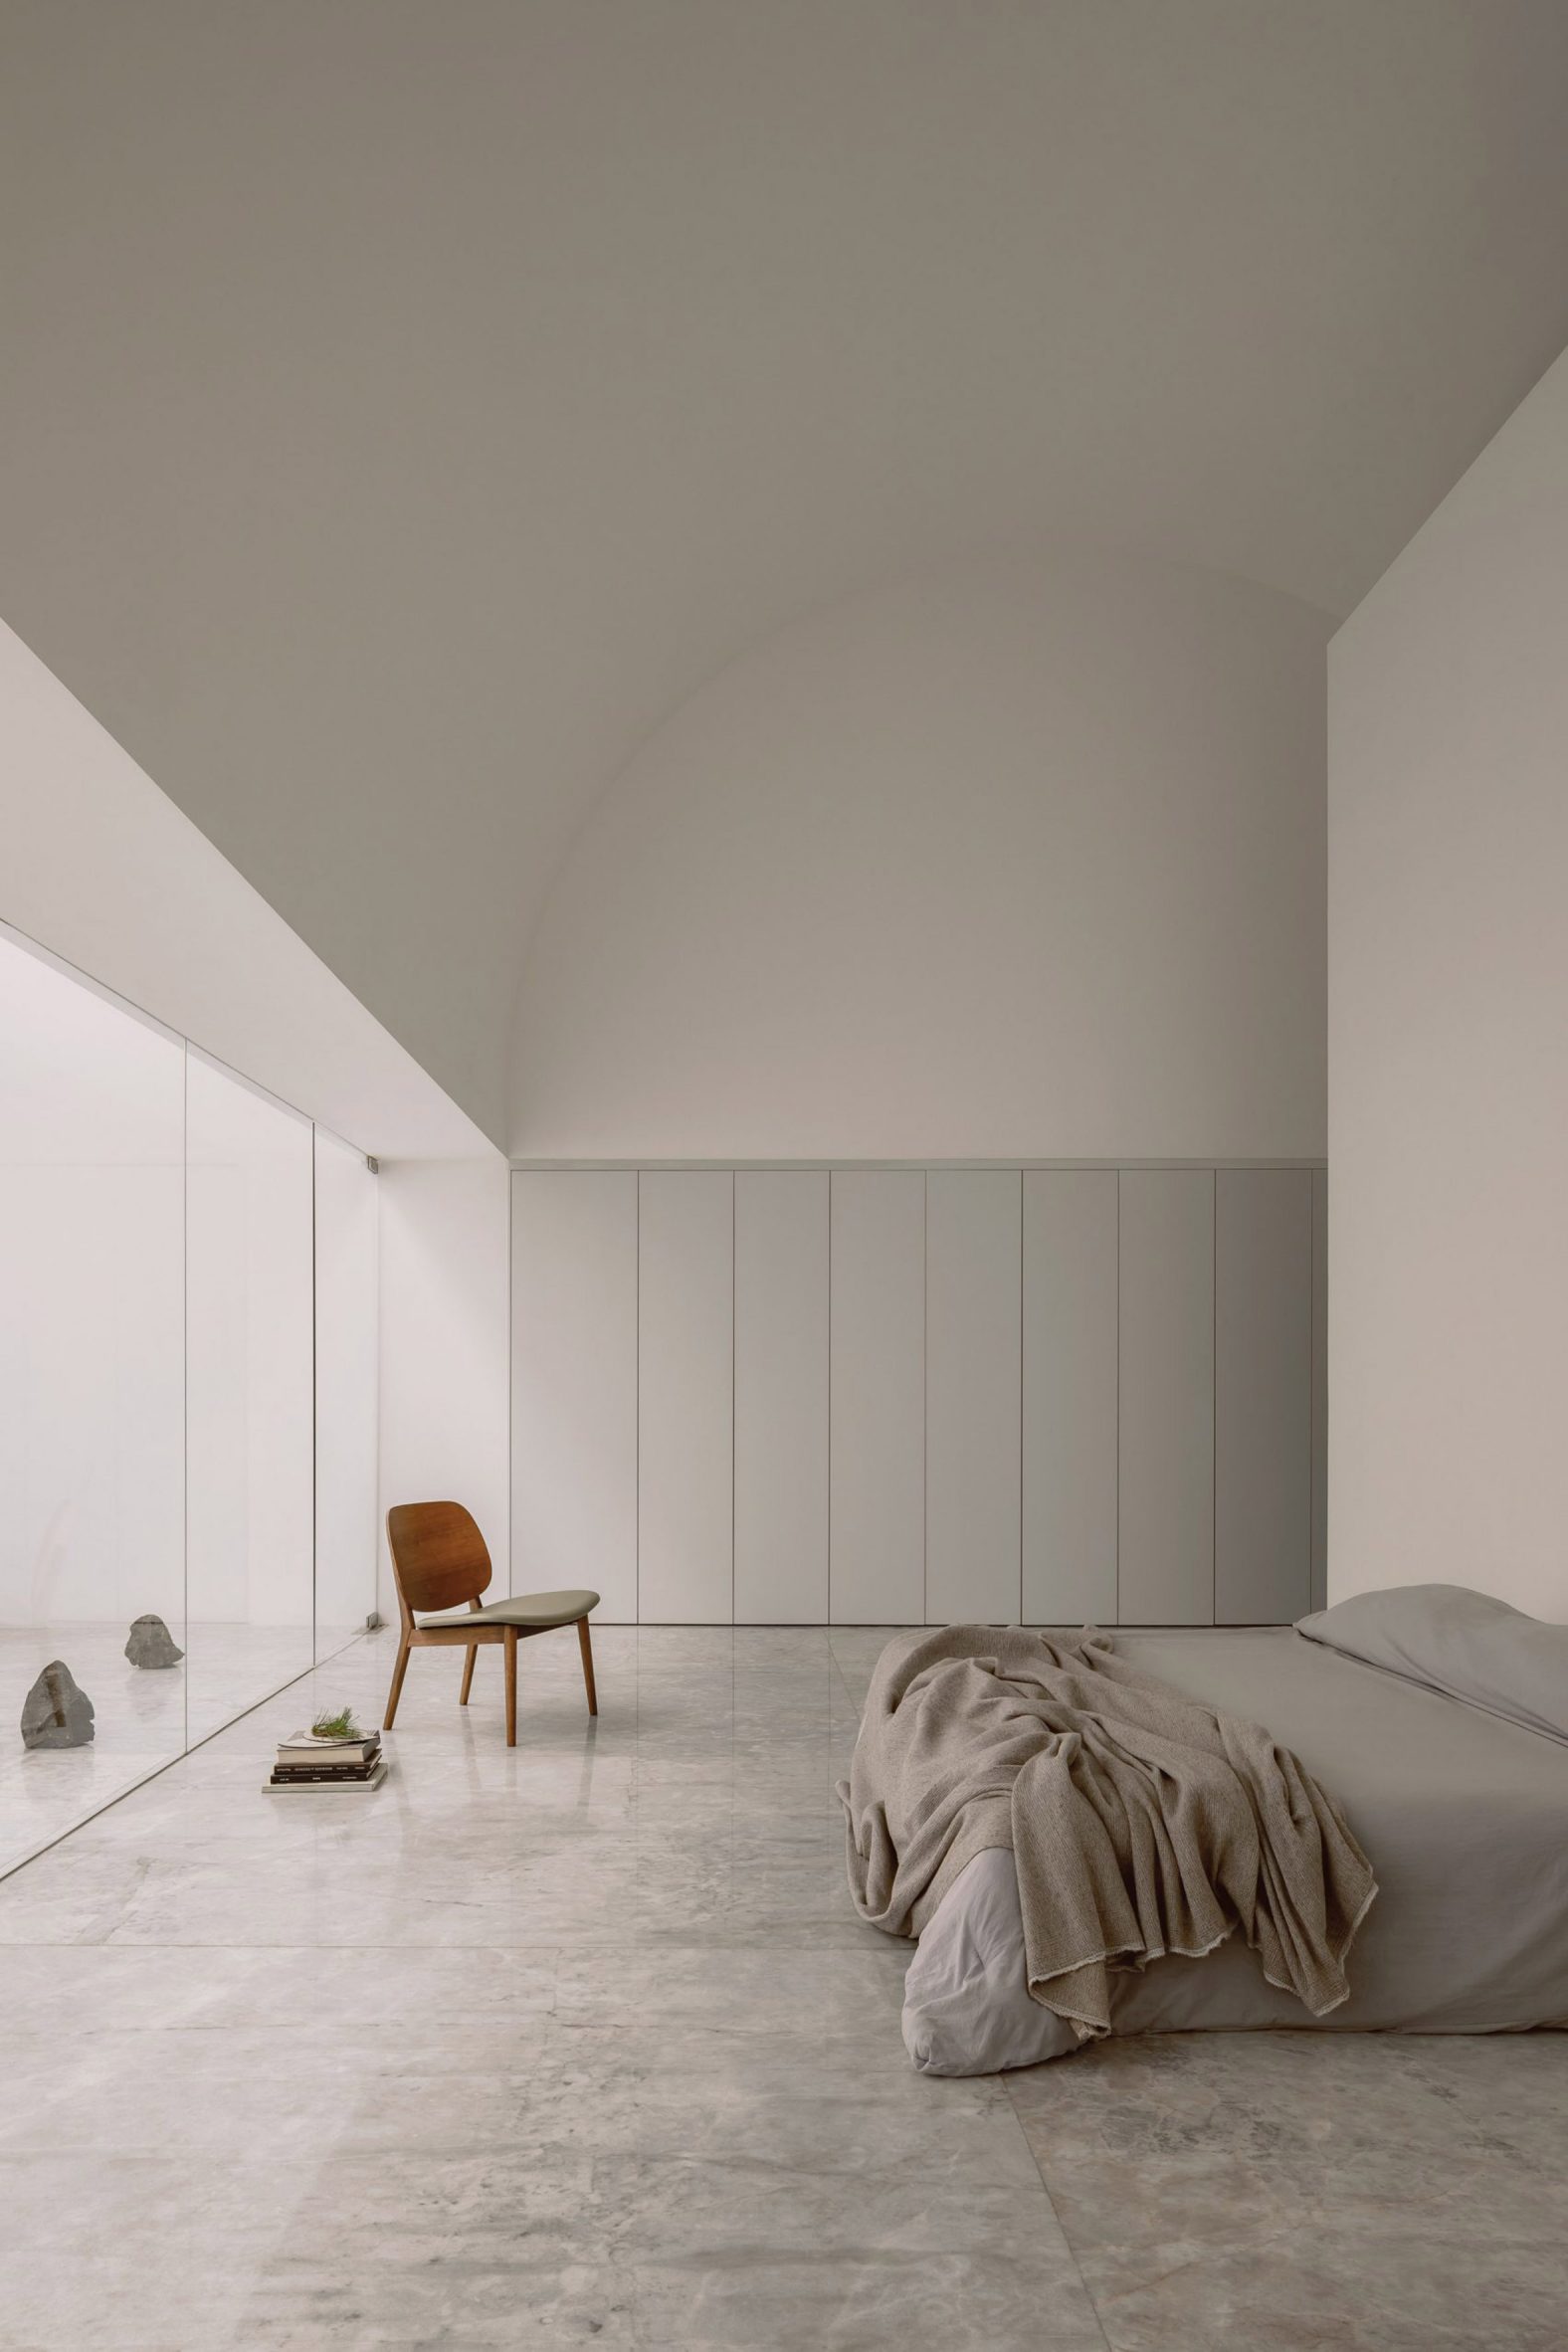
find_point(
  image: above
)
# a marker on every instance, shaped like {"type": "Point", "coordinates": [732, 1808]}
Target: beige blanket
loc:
{"type": "Point", "coordinates": [1141, 1822]}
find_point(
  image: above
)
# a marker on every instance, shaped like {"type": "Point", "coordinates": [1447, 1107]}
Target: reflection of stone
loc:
{"type": "Point", "coordinates": [150, 1644]}
{"type": "Point", "coordinates": [56, 1713]}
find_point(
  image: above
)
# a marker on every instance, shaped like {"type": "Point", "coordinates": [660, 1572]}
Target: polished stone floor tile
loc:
{"type": "Point", "coordinates": [580, 2042]}
{"type": "Point", "coordinates": [1284, 2189]}
{"type": "Point", "coordinates": [874, 2300]}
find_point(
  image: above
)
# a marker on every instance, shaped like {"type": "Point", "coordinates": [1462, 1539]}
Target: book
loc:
{"type": "Point", "coordinates": [301, 1759]}
{"type": "Point", "coordinates": [334, 1739]}
{"type": "Point", "coordinates": [279, 1783]}
{"type": "Point", "coordinates": [327, 1771]}
{"type": "Point", "coordinates": [303, 1748]}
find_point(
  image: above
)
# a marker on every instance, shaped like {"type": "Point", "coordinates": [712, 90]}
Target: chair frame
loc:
{"type": "Point", "coordinates": [439, 1560]}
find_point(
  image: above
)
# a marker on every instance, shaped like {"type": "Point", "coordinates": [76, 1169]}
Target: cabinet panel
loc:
{"type": "Point", "coordinates": [1070, 1396]}
{"type": "Point", "coordinates": [1319, 1577]}
{"type": "Point", "coordinates": [1262, 1395]}
{"type": "Point", "coordinates": [781, 1397]}
{"type": "Point", "coordinates": [574, 1384]}
{"type": "Point", "coordinates": [973, 1348]}
{"type": "Point", "coordinates": [1166, 1470]}
{"type": "Point", "coordinates": [878, 1415]}
{"type": "Point", "coordinates": [685, 1398]}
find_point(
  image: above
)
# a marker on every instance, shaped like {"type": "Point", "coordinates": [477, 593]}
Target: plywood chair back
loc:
{"type": "Point", "coordinates": [439, 1556]}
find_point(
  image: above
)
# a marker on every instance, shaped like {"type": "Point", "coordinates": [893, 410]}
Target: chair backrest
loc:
{"type": "Point", "coordinates": [439, 1556]}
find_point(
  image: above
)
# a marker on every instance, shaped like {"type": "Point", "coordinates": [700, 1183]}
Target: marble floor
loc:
{"type": "Point", "coordinates": [582, 2044]}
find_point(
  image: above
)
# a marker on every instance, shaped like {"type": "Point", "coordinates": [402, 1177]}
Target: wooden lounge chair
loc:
{"type": "Point", "coordinates": [440, 1561]}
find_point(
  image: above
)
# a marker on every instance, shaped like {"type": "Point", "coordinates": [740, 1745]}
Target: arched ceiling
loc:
{"type": "Point", "coordinates": [405, 405]}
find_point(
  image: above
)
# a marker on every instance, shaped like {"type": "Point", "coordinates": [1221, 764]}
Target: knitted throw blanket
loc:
{"type": "Point", "coordinates": [1141, 1822]}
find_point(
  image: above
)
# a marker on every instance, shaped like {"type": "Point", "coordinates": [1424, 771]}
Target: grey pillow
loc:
{"type": "Point", "coordinates": [1463, 1644]}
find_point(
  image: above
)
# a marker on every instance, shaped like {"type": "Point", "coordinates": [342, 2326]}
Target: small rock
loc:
{"type": "Point", "coordinates": [150, 1644]}
{"type": "Point", "coordinates": [57, 1714]}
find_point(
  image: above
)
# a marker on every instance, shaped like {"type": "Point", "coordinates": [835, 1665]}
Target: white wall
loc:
{"type": "Point", "coordinates": [445, 1345]}
{"type": "Point", "coordinates": [91, 1306]}
{"type": "Point", "coordinates": [1023, 860]}
{"type": "Point", "coordinates": [1449, 1041]}
{"type": "Point", "coordinates": [102, 869]}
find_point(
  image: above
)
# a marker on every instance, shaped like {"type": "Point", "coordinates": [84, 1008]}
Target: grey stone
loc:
{"type": "Point", "coordinates": [150, 1644]}
{"type": "Point", "coordinates": [57, 1714]}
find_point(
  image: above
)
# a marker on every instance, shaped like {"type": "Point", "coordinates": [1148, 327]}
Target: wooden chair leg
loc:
{"type": "Point", "coordinates": [468, 1674]}
{"type": "Point", "coordinates": [586, 1647]}
{"type": "Point", "coordinates": [512, 1685]}
{"type": "Point", "coordinates": [396, 1692]}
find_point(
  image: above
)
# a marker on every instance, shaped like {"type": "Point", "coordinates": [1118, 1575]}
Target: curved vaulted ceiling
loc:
{"type": "Point", "coordinates": [405, 405]}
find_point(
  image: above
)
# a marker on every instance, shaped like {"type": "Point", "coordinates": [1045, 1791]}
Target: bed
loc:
{"type": "Point", "coordinates": [1463, 1813]}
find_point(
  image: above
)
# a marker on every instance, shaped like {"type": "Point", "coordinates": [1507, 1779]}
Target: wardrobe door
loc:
{"type": "Point", "coordinates": [685, 1398]}
{"type": "Point", "coordinates": [876, 1486]}
{"type": "Point", "coordinates": [1166, 1478]}
{"type": "Point", "coordinates": [1262, 1401]}
{"type": "Point", "coordinates": [781, 1397]}
{"type": "Point", "coordinates": [973, 1342]}
{"type": "Point", "coordinates": [574, 1384]}
{"type": "Point", "coordinates": [1070, 1396]}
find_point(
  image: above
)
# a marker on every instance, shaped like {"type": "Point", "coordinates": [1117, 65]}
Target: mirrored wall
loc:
{"type": "Point", "coordinates": [188, 1286]}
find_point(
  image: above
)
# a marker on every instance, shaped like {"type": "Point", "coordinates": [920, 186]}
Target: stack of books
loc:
{"type": "Point", "coordinates": [306, 1762]}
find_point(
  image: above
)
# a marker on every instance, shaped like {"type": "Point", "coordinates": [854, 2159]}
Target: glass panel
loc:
{"type": "Point", "coordinates": [345, 1393]}
{"type": "Point", "coordinates": [92, 1396]}
{"type": "Point", "coordinates": [248, 1426]}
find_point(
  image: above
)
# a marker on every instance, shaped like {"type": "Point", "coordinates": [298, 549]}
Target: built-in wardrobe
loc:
{"type": "Point", "coordinates": [903, 1395]}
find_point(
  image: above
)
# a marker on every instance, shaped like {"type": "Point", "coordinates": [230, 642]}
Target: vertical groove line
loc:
{"type": "Point", "coordinates": [637, 1335]}
{"type": "Point", "coordinates": [732, 1320]}
{"type": "Point", "coordinates": [316, 1425]}
{"type": "Point", "coordinates": [1020, 1396]}
{"type": "Point", "coordinates": [185, 1373]}
{"type": "Point", "coordinates": [1119, 1399]}
{"type": "Point", "coordinates": [1311, 1392]}
{"type": "Point", "coordinates": [830, 1398]}
{"type": "Point", "coordinates": [1214, 1395]}
{"type": "Point", "coordinates": [1316, 1340]}
{"type": "Point", "coordinates": [925, 1396]}
{"type": "Point", "coordinates": [511, 1405]}
{"type": "Point", "coordinates": [375, 1503]}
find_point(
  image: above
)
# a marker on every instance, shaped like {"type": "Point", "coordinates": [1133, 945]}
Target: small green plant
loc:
{"type": "Point", "coordinates": [339, 1726]}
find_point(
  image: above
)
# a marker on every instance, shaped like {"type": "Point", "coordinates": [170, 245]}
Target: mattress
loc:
{"type": "Point", "coordinates": [1464, 1818]}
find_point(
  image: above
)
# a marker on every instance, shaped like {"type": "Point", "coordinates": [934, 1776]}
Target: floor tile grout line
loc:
{"type": "Point", "coordinates": [1045, 2191]}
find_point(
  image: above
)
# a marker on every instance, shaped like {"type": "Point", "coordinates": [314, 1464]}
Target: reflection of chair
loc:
{"type": "Point", "coordinates": [439, 1560]}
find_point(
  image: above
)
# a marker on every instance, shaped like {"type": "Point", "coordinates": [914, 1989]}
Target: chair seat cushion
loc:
{"type": "Point", "coordinates": [538, 1611]}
